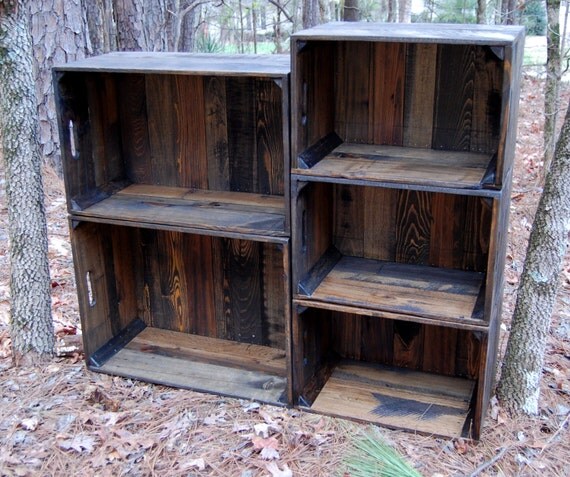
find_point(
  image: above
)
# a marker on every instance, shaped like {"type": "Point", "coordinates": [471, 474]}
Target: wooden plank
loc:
{"type": "Point", "coordinates": [92, 285]}
{"type": "Point", "coordinates": [352, 92]}
{"type": "Point", "coordinates": [413, 227]}
{"type": "Point", "coordinates": [453, 126]}
{"type": "Point", "coordinates": [413, 32]}
{"type": "Point", "coordinates": [242, 142]}
{"type": "Point", "coordinates": [105, 129]}
{"type": "Point", "coordinates": [191, 153]}
{"type": "Point", "coordinates": [187, 361]}
{"type": "Point", "coordinates": [440, 350]}
{"type": "Point", "coordinates": [274, 296]}
{"type": "Point", "coordinates": [419, 95]}
{"type": "Point", "coordinates": [397, 398]}
{"type": "Point", "coordinates": [269, 138]}
{"type": "Point", "coordinates": [156, 309]}
{"type": "Point", "coordinates": [487, 100]}
{"type": "Point", "coordinates": [207, 210]}
{"type": "Point", "coordinates": [401, 288]}
{"type": "Point", "coordinates": [135, 128]}
{"type": "Point", "coordinates": [184, 63]}
{"type": "Point", "coordinates": [216, 123]}
{"type": "Point", "coordinates": [210, 350]}
{"type": "Point", "coordinates": [409, 166]}
{"type": "Point", "coordinates": [198, 268]}
{"type": "Point", "coordinates": [380, 208]}
{"type": "Point", "coordinates": [387, 115]}
{"type": "Point", "coordinates": [162, 117]}
{"type": "Point", "coordinates": [242, 290]}
{"type": "Point", "coordinates": [348, 214]}
{"type": "Point", "coordinates": [347, 335]}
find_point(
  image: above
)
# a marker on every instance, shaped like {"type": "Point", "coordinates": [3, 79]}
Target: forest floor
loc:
{"type": "Point", "coordinates": [61, 419]}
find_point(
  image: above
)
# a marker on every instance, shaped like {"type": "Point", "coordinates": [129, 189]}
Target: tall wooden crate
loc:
{"type": "Point", "coordinates": [402, 152]}
{"type": "Point", "coordinates": [177, 177]}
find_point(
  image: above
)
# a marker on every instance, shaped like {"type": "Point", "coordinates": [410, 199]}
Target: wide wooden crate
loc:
{"type": "Point", "coordinates": [177, 177]}
{"type": "Point", "coordinates": [402, 148]}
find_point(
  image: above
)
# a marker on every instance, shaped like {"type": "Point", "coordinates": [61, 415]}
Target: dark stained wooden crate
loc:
{"type": "Point", "coordinates": [177, 178]}
{"type": "Point", "coordinates": [402, 148]}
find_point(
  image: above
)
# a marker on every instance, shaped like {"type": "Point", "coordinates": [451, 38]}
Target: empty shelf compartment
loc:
{"type": "Point", "coordinates": [406, 290]}
{"type": "Point", "coordinates": [237, 212]}
{"type": "Point", "coordinates": [404, 165]}
{"type": "Point", "coordinates": [200, 363]}
{"type": "Point", "coordinates": [397, 398]}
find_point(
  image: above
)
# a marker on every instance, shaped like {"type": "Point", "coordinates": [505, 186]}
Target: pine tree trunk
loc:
{"type": "Point", "coordinates": [405, 11]}
{"type": "Point", "coordinates": [310, 13]}
{"type": "Point", "coordinates": [481, 12]}
{"type": "Point", "coordinates": [57, 30]}
{"type": "Point", "coordinates": [519, 386]}
{"type": "Point", "coordinates": [351, 12]}
{"type": "Point", "coordinates": [130, 27]}
{"type": "Point", "coordinates": [551, 90]}
{"type": "Point", "coordinates": [31, 324]}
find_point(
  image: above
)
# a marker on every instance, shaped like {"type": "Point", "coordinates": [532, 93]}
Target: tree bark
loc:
{"type": "Point", "coordinates": [57, 30]}
{"type": "Point", "coordinates": [351, 12]}
{"type": "Point", "coordinates": [310, 13]}
{"type": "Point", "coordinates": [551, 89]}
{"type": "Point", "coordinates": [405, 11]}
{"type": "Point", "coordinates": [31, 324]}
{"type": "Point", "coordinates": [481, 12]}
{"type": "Point", "coordinates": [519, 386]}
{"type": "Point", "coordinates": [130, 26]}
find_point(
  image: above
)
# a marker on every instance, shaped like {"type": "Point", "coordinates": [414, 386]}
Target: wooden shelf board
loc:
{"type": "Point", "coordinates": [413, 290]}
{"type": "Point", "coordinates": [402, 165]}
{"type": "Point", "coordinates": [203, 364]}
{"type": "Point", "coordinates": [237, 212]}
{"type": "Point", "coordinates": [397, 398]}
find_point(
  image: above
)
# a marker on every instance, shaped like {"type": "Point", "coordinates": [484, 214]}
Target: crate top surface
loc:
{"type": "Point", "coordinates": [183, 63]}
{"type": "Point", "coordinates": [492, 35]}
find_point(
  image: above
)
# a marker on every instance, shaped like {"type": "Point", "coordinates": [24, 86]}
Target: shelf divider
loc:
{"type": "Point", "coordinates": [236, 212]}
{"type": "Point", "coordinates": [433, 295]}
{"type": "Point", "coordinates": [403, 165]}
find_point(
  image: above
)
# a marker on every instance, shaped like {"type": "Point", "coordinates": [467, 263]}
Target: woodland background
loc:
{"type": "Point", "coordinates": [61, 419]}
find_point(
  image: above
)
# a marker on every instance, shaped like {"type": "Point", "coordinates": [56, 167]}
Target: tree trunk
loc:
{"type": "Point", "coordinates": [101, 29]}
{"type": "Point", "coordinates": [508, 9]}
{"type": "Point", "coordinates": [31, 324]}
{"type": "Point", "coordinates": [57, 30]}
{"type": "Point", "coordinates": [351, 12]}
{"type": "Point", "coordinates": [482, 11]}
{"type": "Point", "coordinates": [405, 11]}
{"type": "Point", "coordinates": [130, 26]}
{"type": "Point", "coordinates": [310, 13]}
{"type": "Point", "coordinates": [519, 386]}
{"type": "Point", "coordinates": [551, 90]}
{"type": "Point", "coordinates": [392, 10]}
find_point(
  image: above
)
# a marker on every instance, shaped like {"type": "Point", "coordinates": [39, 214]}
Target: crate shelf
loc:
{"type": "Point", "coordinates": [412, 292]}
{"type": "Point", "coordinates": [401, 166]}
{"type": "Point", "coordinates": [397, 398]}
{"type": "Point", "coordinates": [208, 211]}
{"type": "Point", "coordinates": [201, 363]}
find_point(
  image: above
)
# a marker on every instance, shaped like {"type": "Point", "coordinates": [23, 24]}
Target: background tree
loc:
{"type": "Point", "coordinates": [519, 386]}
{"type": "Point", "coordinates": [351, 12]}
{"type": "Point", "coordinates": [553, 73]}
{"type": "Point", "coordinates": [30, 314]}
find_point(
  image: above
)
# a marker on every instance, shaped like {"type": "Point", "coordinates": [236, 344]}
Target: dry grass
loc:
{"type": "Point", "coordinates": [60, 419]}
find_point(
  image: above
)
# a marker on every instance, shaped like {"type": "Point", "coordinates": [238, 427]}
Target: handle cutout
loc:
{"type": "Point", "coordinates": [90, 293]}
{"type": "Point", "coordinates": [73, 140]}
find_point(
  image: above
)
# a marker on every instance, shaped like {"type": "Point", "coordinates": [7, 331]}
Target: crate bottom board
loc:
{"type": "Point", "coordinates": [202, 364]}
{"type": "Point", "coordinates": [397, 398]}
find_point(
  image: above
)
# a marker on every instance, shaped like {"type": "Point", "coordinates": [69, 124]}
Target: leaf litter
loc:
{"type": "Point", "coordinates": [61, 419]}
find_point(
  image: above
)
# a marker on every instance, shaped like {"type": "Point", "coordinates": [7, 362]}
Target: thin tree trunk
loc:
{"type": "Point", "coordinates": [392, 10]}
{"type": "Point", "coordinates": [30, 316]}
{"type": "Point", "coordinates": [351, 12]}
{"type": "Point", "coordinates": [519, 386]}
{"type": "Point", "coordinates": [405, 11]}
{"type": "Point", "coordinates": [551, 89]}
{"type": "Point", "coordinates": [254, 27]}
{"type": "Point", "coordinates": [310, 13]}
{"type": "Point", "coordinates": [482, 11]}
